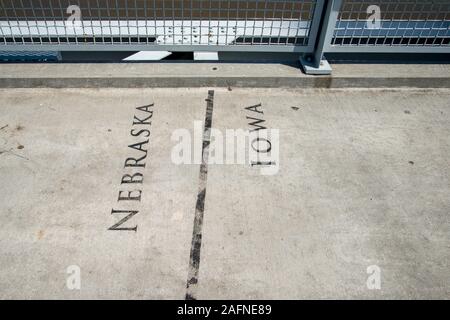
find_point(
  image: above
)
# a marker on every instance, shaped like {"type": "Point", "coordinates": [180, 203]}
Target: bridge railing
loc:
{"type": "Point", "coordinates": [308, 27]}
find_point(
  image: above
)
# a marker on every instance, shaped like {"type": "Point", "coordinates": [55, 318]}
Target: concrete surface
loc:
{"type": "Point", "coordinates": [363, 180]}
{"type": "Point", "coordinates": [151, 75]}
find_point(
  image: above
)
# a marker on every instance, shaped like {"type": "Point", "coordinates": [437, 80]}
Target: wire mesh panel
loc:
{"type": "Point", "coordinates": [156, 23]}
{"type": "Point", "coordinates": [30, 56]}
{"type": "Point", "coordinates": [392, 24]}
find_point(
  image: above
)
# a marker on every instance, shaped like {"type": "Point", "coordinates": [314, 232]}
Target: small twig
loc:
{"type": "Point", "coordinates": [13, 153]}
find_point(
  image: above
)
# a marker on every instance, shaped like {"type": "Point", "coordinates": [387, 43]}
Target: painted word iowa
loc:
{"type": "Point", "coordinates": [130, 192]}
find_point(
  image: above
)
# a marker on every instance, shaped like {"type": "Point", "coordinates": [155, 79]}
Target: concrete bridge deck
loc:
{"type": "Point", "coordinates": [362, 185]}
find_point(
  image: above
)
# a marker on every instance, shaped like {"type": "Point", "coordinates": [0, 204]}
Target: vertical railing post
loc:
{"type": "Point", "coordinates": [316, 63]}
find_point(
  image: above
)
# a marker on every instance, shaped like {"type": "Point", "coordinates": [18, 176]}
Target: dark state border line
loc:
{"type": "Point", "coordinates": [194, 260]}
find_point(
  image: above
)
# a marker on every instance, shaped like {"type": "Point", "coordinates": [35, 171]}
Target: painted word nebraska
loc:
{"type": "Point", "coordinates": [130, 192]}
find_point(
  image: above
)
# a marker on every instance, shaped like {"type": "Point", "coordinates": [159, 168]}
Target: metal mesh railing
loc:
{"type": "Point", "coordinates": [310, 27]}
{"type": "Point", "coordinates": [157, 22]}
{"type": "Point", "coordinates": [400, 23]}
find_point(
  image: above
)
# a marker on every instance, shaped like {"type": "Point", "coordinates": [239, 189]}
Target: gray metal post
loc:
{"type": "Point", "coordinates": [316, 63]}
